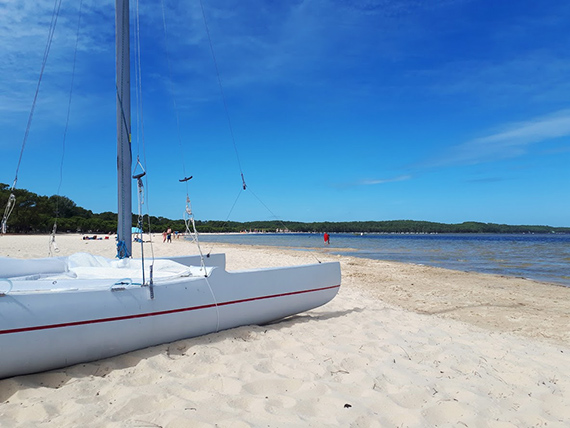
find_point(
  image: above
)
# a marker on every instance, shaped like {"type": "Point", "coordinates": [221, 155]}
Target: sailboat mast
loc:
{"type": "Point", "coordinates": [124, 156]}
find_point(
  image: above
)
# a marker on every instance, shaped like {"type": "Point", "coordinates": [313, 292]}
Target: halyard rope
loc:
{"type": "Point", "coordinates": [244, 186]}
{"type": "Point", "coordinates": [52, 248]}
{"type": "Point", "coordinates": [12, 197]}
{"type": "Point", "coordinates": [140, 124]}
{"type": "Point", "coordinates": [222, 93]}
{"type": "Point", "coordinates": [188, 215]}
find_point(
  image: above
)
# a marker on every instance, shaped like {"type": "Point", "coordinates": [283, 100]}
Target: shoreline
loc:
{"type": "Point", "coordinates": [401, 345]}
{"type": "Point", "coordinates": [473, 253]}
{"type": "Point", "coordinates": [507, 304]}
{"type": "Point", "coordinates": [531, 308]}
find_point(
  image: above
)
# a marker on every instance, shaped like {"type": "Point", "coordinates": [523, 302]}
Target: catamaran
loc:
{"type": "Point", "coordinates": [56, 312]}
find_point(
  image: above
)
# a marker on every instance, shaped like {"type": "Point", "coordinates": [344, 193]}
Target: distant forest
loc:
{"type": "Point", "coordinates": [33, 213]}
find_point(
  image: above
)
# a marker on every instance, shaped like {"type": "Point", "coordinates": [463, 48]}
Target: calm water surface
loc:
{"type": "Point", "coordinates": [541, 257]}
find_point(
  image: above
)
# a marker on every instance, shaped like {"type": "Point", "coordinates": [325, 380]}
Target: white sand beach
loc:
{"type": "Point", "coordinates": [401, 346]}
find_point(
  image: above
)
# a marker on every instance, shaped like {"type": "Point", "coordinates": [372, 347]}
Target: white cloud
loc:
{"type": "Point", "coordinates": [513, 141]}
{"type": "Point", "coordinates": [385, 180]}
{"type": "Point", "coordinates": [24, 28]}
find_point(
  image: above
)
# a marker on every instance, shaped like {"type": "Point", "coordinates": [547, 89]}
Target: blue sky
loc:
{"type": "Point", "coordinates": [443, 110]}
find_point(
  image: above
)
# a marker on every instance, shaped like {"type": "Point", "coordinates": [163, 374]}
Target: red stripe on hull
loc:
{"type": "Point", "coordinates": [152, 314]}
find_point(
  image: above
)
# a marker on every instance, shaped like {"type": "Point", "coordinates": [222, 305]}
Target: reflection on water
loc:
{"type": "Point", "coordinates": [541, 257]}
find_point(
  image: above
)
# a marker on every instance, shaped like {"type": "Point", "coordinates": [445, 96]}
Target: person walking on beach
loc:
{"type": "Point", "coordinates": [169, 235]}
{"type": "Point", "coordinates": [164, 237]}
{"type": "Point", "coordinates": [327, 238]}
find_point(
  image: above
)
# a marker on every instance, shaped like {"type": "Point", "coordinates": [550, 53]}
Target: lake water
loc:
{"type": "Point", "coordinates": [541, 257]}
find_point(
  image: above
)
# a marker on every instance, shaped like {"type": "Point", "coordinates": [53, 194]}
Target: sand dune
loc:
{"type": "Point", "coordinates": [401, 345]}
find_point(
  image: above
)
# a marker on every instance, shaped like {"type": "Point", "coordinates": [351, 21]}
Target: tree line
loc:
{"type": "Point", "coordinates": [33, 213]}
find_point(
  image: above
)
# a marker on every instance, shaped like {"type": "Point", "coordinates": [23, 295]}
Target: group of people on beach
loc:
{"type": "Point", "coordinates": [167, 235]}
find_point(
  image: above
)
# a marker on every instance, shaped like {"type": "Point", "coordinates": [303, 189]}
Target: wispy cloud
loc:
{"type": "Point", "coordinates": [486, 180]}
{"type": "Point", "coordinates": [512, 141]}
{"type": "Point", "coordinates": [24, 28]}
{"type": "Point", "coordinates": [372, 182]}
{"type": "Point", "coordinates": [384, 180]}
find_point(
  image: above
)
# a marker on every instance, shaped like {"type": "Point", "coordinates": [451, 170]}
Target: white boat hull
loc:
{"type": "Point", "coordinates": [67, 322]}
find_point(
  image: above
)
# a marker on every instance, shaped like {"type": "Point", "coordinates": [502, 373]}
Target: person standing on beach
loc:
{"type": "Point", "coordinates": [164, 237]}
{"type": "Point", "coordinates": [327, 238]}
{"type": "Point", "coordinates": [169, 235]}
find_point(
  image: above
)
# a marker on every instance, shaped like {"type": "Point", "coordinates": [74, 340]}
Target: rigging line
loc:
{"type": "Point", "coordinates": [70, 98]}
{"type": "Point", "coordinates": [140, 129]}
{"type": "Point", "coordinates": [55, 15]}
{"type": "Point", "coordinates": [276, 218]}
{"type": "Point", "coordinates": [12, 198]}
{"type": "Point", "coordinates": [227, 218]}
{"type": "Point", "coordinates": [188, 215]}
{"type": "Point", "coordinates": [175, 104]}
{"type": "Point", "coordinates": [123, 116]}
{"type": "Point", "coordinates": [137, 76]}
{"type": "Point", "coordinates": [267, 208]}
{"type": "Point", "coordinates": [229, 119]}
{"type": "Point", "coordinates": [140, 217]}
{"type": "Point", "coordinates": [52, 239]}
{"type": "Point", "coordinates": [222, 93]}
{"type": "Point", "coordinates": [215, 301]}
{"type": "Point", "coordinates": [139, 92]}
